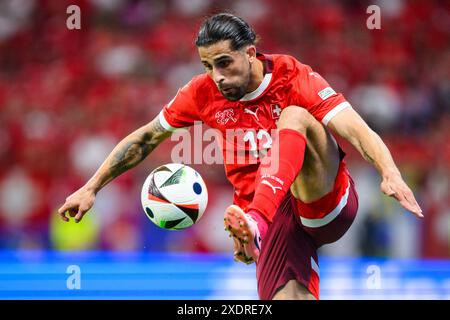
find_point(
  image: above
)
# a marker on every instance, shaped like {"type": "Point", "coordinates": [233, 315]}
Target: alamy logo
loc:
{"type": "Point", "coordinates": [374, 20]}
{"type": "Point", "coordinates": [230, 146]}
{"type": "Point", "coordinates": [73, 282]}
{"type": "Point", "coordinates": [224, 116]}
{"type": "Point", "coordinates": [74, 20]}
{"type": "Point", "coordinates": [274, 189]}
{"type": "Point", "coordinates": [373, 280]}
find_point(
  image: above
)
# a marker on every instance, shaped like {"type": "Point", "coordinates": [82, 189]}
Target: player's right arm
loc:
{"type": "Point", "coordinates": [315, 94]}
{"type": "Point", "coordinates": [349, 125]}
{"type": "Point", "coordinates": [127, 154]}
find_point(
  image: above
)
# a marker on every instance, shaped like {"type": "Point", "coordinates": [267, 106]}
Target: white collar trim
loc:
{"type": "Point", "coordinates": [258, 91]}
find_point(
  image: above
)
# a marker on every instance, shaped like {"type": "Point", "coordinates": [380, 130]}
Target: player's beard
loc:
{"type": "Point", "coordinates": [236, 92]}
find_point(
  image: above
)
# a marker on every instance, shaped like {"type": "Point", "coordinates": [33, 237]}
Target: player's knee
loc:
{"type": "Point", "coordinates": [296, 118]}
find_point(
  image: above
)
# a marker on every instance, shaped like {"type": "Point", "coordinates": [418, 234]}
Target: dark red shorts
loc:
{"type": "Point", "coordinates": [289, 249]}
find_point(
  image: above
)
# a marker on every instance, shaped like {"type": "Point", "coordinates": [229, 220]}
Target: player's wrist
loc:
{"type": "Point", "coordinates": [92, 187]}
{"type": "Point", "coordinates": [389, 173]}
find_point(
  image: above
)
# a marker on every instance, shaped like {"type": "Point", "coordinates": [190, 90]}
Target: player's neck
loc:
{"type": "Point", "coordinates": [257, 76]}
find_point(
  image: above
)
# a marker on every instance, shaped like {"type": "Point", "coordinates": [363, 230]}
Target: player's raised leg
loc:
{"type": "Point", "coordinates": [315, 180]}
{"type": "Point", "coordinates": [306, 154]}
{"type": "Point", "coordinates": [308, 160]}
{"type": "Point", "coordinates": [321, 162]}
{"type": "Point", "coordinates": [275, 175]}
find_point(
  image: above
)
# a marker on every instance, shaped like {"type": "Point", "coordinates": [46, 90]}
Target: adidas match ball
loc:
{"type": "Point", "coordinates": [174, 196]}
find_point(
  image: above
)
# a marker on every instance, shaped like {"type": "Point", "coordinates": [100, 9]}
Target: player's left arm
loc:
{"type": "Point", "coordinates": [349, 125]}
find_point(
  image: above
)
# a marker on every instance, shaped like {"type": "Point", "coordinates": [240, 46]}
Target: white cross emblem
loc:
{"type": "Point", "coordinates": [276, 111]}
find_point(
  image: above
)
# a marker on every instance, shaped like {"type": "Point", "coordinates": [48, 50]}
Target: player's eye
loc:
{"type": "Point", "coordinates": [207, 66]}
{"type": "Point", "coordinates": [223, 63]}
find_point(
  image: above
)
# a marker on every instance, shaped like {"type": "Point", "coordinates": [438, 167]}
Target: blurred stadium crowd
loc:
{"type": "Point", "coordinates": [68, 96]}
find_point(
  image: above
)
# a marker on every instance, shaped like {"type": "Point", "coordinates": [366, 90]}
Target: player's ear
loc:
{"type": "Point", "coordinates": [251, 53]}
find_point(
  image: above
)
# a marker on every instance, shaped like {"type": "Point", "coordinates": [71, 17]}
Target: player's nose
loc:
{"type": "Point", "coordinates": [218, 77]}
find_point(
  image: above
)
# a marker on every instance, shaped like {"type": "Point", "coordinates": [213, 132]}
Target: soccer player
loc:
{"type": "Point", "coordinates": [299, 196]}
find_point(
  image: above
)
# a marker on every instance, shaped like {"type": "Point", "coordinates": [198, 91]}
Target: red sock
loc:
{"type": "Point", "coordinates": [277, 172]}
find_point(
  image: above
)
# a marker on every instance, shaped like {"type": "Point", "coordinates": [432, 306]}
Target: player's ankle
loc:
{"type": "Point", "coordinates": [262, 222]}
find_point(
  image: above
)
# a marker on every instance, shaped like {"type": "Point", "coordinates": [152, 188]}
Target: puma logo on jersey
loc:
{"type": "Point", "coordinates": [224, 116]}
{"type": "Point", "coordinates": [246, 110]}
{"type": "Point", "coordinates": [274, 189]}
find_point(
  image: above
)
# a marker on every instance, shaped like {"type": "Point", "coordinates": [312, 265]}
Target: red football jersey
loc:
{"type": "Point", "coordinates": [286, 82]}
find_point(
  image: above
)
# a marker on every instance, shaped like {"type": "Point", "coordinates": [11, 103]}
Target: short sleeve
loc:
{"type": "Point", "coordinates": [181, 111]}
{"type": "Point", "coordinates": [312, 92]}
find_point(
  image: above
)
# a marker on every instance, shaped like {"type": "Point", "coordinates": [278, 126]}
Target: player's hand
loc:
{"type": "Point", "coordinates": [394, 186]}
{"type": "Point", "coordinates": [77, 204]}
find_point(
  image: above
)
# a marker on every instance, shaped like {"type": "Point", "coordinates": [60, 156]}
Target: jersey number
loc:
{"type": "Point", "coordinates": [250, 137]}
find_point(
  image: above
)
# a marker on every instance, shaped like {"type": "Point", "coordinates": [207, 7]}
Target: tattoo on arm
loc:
{"type": "Point", "coordinates": [133, 149]}
{"type": "Point", "coordinates": [367, 156]}
{"type": "Point", "coordinates": [129, 155]}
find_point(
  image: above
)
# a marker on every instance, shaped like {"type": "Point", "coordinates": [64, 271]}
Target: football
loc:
{"type": "Point", "coordinates": [174, 196]}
